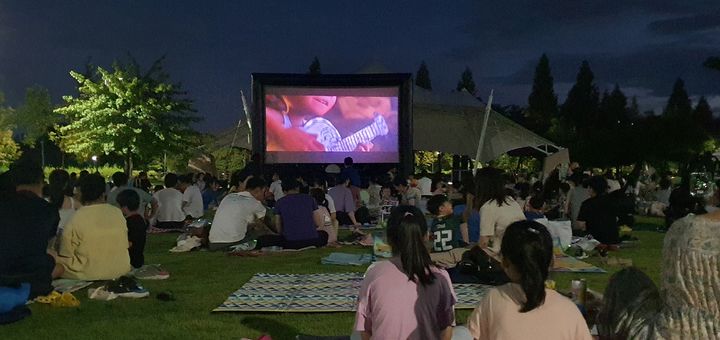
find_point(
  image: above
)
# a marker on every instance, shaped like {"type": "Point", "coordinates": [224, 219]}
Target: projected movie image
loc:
{"type": "Point", "coordinates": [327, 125]}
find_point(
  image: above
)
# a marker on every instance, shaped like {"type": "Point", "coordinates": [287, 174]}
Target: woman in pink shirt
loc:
{"type": "Point", "coordinates": [406, 297]}
{"type": "Point", "coordinates": [524, 309]}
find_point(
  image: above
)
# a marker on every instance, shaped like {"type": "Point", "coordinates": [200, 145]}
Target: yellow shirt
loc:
{"type": "Point", "coordinates": [94, 244]}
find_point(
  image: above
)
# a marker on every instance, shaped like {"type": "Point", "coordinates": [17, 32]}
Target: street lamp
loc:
{"type": "Point", "coordinates": [94, 159]}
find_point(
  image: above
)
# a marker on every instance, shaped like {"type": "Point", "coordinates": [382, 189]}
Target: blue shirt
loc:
{"type": "Point", "coordinates": [209, 196]}
{"type": "Point", "coordinates": [353, 174]}
{"type": "Point", "coordinates": [296, 216]}
{"type": "Point", "coordinates": [473, 222]}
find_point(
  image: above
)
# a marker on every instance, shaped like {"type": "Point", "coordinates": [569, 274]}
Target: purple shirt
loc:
{"type": "Point", "coordinates": [343, 198]}
{"type": "Point", "coordinates": [296, 215]}
{"type": "Point", "coordinates": [392, 307]}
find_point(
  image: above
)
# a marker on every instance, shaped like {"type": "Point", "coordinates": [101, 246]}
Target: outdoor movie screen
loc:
{"type": "Point", "coordinates": [325, 125]}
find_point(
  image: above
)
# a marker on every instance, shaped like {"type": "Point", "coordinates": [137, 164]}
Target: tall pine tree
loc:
{"type": "Point", "coordinates": [580, 107]}
{"type": "Point", "coordinates": [682, 135]}
{"type": "Point", "coordinates": [703, 115]}
{"type": "Point", "coordinates": [466, 82]}
{"type": "Point", "coordinates": [422, 78]}
{"type": "Point", "coordinates": [314, 67]}
{"type": "Point", "coordinates": [679, 102]}
{"type": "Point", "coordinates": [542, 102]}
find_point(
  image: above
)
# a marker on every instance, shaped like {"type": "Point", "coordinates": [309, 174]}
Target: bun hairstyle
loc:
{"type": "Point", "coordinates": [406, 233]}
{"type": "Point", "coordinates": [528, 246]}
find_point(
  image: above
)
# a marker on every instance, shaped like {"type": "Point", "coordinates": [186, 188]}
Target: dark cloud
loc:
{"type": "Point", "coordinates": [699, 22]}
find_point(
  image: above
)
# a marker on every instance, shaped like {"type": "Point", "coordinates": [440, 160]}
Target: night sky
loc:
{"type": "Point", "coordinates": [213, 46]}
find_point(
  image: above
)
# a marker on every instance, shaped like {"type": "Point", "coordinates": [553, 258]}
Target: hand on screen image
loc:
{"type": "Point", "coordinates": [280, 138]}
{"type": "Point", "coordinates": [364, 147]}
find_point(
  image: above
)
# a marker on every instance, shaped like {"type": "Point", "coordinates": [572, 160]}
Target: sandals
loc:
{"type": "Point", "coordinates": [56, 299]}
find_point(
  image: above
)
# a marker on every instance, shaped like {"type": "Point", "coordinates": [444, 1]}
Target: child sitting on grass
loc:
{"type": "Point", "coordinates": [406, 297]}
{"type": "Point", "coordinates": [447, 231]}
{"type": "Point", "coordinates": [129, 201]}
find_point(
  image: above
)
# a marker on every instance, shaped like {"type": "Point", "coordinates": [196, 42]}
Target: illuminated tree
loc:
{"type": "Point", "coordinates": [123, 111]}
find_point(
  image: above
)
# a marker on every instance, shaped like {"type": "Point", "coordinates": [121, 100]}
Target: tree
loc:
{"type": "Point", "coordinates": [139, 116]}
{"type": "Point", "coordinates": [679, 102]}
{"type": "Point", "coordinates": [681, 134]}
{"type": "Point", "coordinates": [314, 67]}
{"type": "Point", "coordinates": [580, 107]}
{"type": "Point", "coordinates": [542, 102]}
{"type": "Point", "coordinates": [466, 81]}
{"type": "Point", "coordinates": [35, 116]}
{"type": "Point", "coordinates": [9, 150]}
{"type": "Point", "coordinates": [713, 63]}
{"type": "Point", "coordinates": [422, 78]}
{"type": "Point", "coordinates": [703, 115]}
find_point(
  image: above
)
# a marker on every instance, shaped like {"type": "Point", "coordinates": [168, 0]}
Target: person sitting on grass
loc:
{"type": "Point", "coordinates": [524, 308]}
{"type": "Point", "coordinates": [599, 214]}
{"type": "Point", "coordinates": [94, 245]}
{"type": "Point", "coordinates": [192, 201]}
{"type": "Point", "coordinates": [534, 210]}
{"type": "Point", "coordinates": [170, 214]}
{"type": "Point", "coordinates": [28, 223]}
{"type": "Point", "coordinates": [129, 201]}
{"type": "Point", "coordinates": [120, 179]}
{"type": "Point", "coordinates": [323, 218]}
{"type": "Point", "coordinates": [630, 298]}
{"type": "Point", "coordinates": [447, 231]}
{"type": "Point", "coordinates": [237, 211]}
{"type": "Point", "coordinates": [406, 297]}
{"type": "Point", "coordinates": [294, 223]}
{"type": "Point", "coordinates": [211, 193]}
{"type": "Point", "coordinates": [410, 194]}
{"type": "Point", "coordinates": [344, 202]}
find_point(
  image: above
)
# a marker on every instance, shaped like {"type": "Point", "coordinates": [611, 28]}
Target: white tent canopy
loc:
{"type": "Point", "coordinates": [452, 123]}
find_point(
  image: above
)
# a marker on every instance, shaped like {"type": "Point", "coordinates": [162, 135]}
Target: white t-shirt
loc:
{"type": "Point", "coordinates": [494, 219]}
{"type": "Point", "coordinates": [425, 186]}
{"type": "Point", "coordinates": [276, 190]}
{"type": "Point", "coordinates": [331, 204]}
{"type": "Point", "coordinates": [498, 317]}
{"type": "Point", "coordinates": [412, 193]}
{"type": "Point", "coordinates": [194, 205]}
{"type": "Point", "coordinates": [169, 205]}
{"type": "Point", "coordinates": [233, 215]}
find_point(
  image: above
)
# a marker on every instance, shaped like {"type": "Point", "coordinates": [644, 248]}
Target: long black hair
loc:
{"type": "Point", "coordinates": [528, 247]}
{"type": "Point", "coordinates": [319, 196]}
{"type": "Point", "coordinates": [406, 233]}
{"type": "Point", "coordinates": [490, 185]}
{"type": "Point", "coordinates": [58, 187]}
{"type": "Point", "coordinates": [630, 293]}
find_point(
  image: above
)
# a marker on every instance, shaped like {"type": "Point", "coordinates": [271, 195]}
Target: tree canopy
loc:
{"type": "Point", "coordinates": [466, 82]}
{"type": "Point", "coordinates": [138, 115]}
{"type": "Point", "coordinates": [35, 116]}
{"type": "Point", "coordinates": [314, 67]}
{"type": "Point", "coordinates": [9, 150]}
{"type": "Point", "coordinates": [542, 102]}
{"type": "Point", "coordinates": [422, 77]}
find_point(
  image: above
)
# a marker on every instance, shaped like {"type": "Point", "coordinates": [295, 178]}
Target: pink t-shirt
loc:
{"type": "Point", "coordinates": [498, 317]}
{"type": "Point", "coordinates": [392, 307]}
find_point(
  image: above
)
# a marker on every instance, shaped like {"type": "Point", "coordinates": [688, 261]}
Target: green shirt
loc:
{"type": "Point", "coordinates": [445, 232]}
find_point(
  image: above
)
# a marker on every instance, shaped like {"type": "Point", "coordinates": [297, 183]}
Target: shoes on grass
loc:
{"type": "Point", "coordinates": [150, 272]}
{"type": "Point", "coordinates": [127, 287]}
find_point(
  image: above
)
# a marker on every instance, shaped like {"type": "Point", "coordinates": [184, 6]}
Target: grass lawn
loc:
{"type": "Point", "coordinates": [201, 281]}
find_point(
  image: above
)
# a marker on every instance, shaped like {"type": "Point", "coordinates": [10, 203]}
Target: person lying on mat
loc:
{"type": "Point", "coordinates": [527, 254]}
{"type": "Point", "coordinates": [406, 297]}
{"type": "Point", "coordinates": [294, 222]}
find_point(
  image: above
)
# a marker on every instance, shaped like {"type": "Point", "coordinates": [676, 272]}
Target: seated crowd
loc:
{"type": "Point", "coordinates": [99, 233]}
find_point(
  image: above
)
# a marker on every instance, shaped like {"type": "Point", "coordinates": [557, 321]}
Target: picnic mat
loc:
{"type": "Point", "coordinates": [316, 293]}
{"type": "Point", "coordinates": [569, 264]}
{"type": "Point", "coordinates": [69, 286]}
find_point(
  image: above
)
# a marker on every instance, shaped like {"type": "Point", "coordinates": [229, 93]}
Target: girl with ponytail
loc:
{"type": "Point", "coordinates": [406, 297]}
{"type": "Point", "coordinates": [523, 308]}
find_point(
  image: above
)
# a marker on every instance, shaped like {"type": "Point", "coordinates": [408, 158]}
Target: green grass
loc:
{"type": "Point", "coordinates": [201, 281]}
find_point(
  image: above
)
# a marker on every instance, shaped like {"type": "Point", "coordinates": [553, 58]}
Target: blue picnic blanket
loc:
{"type": "Point", "coordinates": [344, 259]}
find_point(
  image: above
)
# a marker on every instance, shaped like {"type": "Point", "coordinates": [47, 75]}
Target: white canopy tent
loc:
{"type": "Point", "coordinates": [452, 123]}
